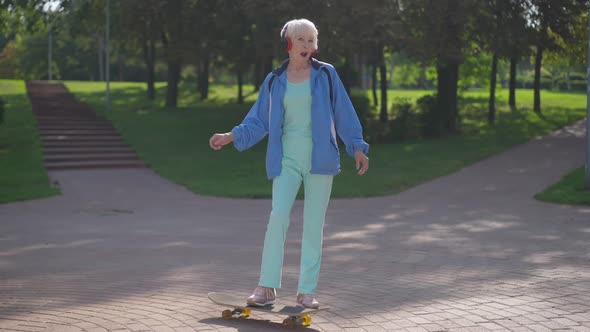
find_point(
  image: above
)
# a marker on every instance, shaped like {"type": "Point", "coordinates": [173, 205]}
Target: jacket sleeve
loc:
{"type": "Point", "coordinates": [346, 120]}
{"type": "Point", "coordinates": [255, 125]}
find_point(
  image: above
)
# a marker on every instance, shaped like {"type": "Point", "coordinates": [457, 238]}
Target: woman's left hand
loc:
{"type": "Point", "coordinates": [362, 162]}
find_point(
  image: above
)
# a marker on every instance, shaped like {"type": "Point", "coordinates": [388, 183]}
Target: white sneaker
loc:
{"type": "Point", "coordinates": [262, 296]}
{"type": "Point", "coordinates": [307, 301]}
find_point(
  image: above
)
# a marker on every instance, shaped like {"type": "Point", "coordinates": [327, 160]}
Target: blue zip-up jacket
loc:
{"type": "Point", "coordinates": [267, 114]}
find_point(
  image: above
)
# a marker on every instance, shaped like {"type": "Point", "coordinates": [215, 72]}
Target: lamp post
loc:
{"type": "Point", "coordinates": [107, 60]}
{"type": "Point", "coordinates": [49, 51]}
{"type": "Point", "coordinates": [587, 168]}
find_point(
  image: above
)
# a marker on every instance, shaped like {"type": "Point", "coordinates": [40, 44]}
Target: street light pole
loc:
{"type": "Point", "coordinates": [587, 168]}
{"type": "Point", "coordinates": [49, 51]}
{"type": "Point", "coordinates": [107, 60]}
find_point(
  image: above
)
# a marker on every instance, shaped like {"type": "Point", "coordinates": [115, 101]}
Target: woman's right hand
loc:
{"type": "Point", "coordinates": [217, 141]}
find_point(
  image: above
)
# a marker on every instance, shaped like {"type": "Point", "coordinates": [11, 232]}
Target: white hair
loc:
{"type": "Point", "coordinates": [301, 27]}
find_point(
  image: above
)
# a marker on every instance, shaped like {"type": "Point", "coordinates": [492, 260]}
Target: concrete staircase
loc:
{"type": "Point", "coordinates": [73, 135]}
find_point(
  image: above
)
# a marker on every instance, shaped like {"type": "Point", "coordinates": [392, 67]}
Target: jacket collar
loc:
{"type": "Point", "coordinates": [280, 70]}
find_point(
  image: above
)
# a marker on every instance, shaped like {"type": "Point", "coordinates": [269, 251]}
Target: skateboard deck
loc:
{"type": "Point", "coordinates": [295, 315]}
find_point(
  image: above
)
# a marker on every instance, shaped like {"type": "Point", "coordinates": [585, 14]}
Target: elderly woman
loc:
{"type": "Point", "coordinates": [301, 106]}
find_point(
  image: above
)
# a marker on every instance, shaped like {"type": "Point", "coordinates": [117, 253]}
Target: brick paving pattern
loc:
{"type": "Point", "coordinates": [125, 250]}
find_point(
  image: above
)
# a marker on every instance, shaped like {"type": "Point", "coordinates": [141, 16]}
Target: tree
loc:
{"type": "Point", "coordinates": [175, 20]}
{"type": "Point", "coordinates": [370, 41]}
{"type": "Point", "coordinates": [9, 60]}
{"type": "Point", "coordinates": [21, 15]}
{"type": "Point", "coordinates": [266, 25]}
{"type": "Point", "coordinates": [208, 19]}
{"type": "Point", "coordinates": [501, 29]}
{"type": "Point", "coordinates": [172, 22]}
{"type": "Point", "coordinates": [519, 39]}
{"type": "Point", "coordinates": [552, 20]}
{"type": "Point", "coordinates": [571, 59]}
{"type": "Point", "coordinates": [238, 46]}
{"type": "Point", "coordinates": [139, 26]}
{"type": "Point", "coordinates": [383, 36]}
{"type": "Point", "coordinates": [84, 21]}
{"type": "Point", "coordinates": [436, 32]}
{"type": "Point", "coordinates": [18, 16]}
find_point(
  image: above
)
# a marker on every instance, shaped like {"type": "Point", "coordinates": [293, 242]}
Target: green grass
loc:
{"type": "Point", "coordinates": [570, 190]}
{"type": "Point", "coordinates": [22, 175]}
{"type": "Point", "coordinates": [175, 141]}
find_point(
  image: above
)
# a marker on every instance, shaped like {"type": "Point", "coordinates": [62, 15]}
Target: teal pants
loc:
{"type": "Point", "coordinates": [296, 166]}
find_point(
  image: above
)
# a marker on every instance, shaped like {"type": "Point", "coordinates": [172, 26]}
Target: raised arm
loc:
{"type": "Point", "coordinates": [252, 129]}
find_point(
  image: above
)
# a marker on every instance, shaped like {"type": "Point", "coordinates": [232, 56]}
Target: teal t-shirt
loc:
{"type": "Point", "coordinates": [297, 104]}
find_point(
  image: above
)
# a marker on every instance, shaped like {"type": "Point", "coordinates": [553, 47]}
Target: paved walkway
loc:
{"type": "Point", "coordinates": [125, 250]}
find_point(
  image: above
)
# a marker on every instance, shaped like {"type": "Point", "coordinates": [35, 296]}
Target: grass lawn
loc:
{"type": "Point", "coordinates": [570, 190]}
{"type": "Point", "coordinates": [175, 141]}
{"type": "Point", "coordinates": [22, 175]}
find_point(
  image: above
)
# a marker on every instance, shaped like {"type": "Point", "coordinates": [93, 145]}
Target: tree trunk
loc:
{"type": "Point", "coordinates": [512, 84]}
{"type": "Point", "coordinates": [390, 70]}
{"type": "Point", "coordinates": [152, 70]}
{"type": "Point", "coordinates": [383, 70]}
{"type": "Point", "coordinates": [257, 74]}
{"type": "Point", "coordinates": [100, 46]}
{"type": "Point", "coordinates": [204, 74]}
{"type": "Point", "coordinates": [447, 80]}
{"type": "Point", "coordinates": [422, 78]}
{"type": "Point", "coordinates": [174, 67]}
{"type": "Point", "coordinates": [267, 66]}
{"type": "Point", "coordinates": [149, 55]}
{"type": "Point", "coordinates": [346, 75]}
{"type": "Point", "coordinates": [121, 66]}
{"type": "Point", "coordinates": [374, 84]}
{"type": "Point", "coordinates": [240, 83]}
{"type": "Point", "coordinates": [537, 84]}
{"type": "Point", "coordinates": [492, 104]}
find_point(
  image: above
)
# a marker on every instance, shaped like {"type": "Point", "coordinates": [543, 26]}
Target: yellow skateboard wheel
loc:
{"type": "Point", "coordinates": [246, 313]}
{"type": "Point", "coordinates": [305, 320]}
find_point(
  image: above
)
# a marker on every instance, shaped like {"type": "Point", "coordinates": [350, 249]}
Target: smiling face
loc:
{"type": "Point", "coordinates": [302, 47]}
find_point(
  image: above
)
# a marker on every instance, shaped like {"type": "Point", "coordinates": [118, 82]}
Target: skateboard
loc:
{"type": "Point", "coordinates": [295, 315]}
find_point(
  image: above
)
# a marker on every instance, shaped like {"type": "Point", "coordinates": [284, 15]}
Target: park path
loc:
{"type": "Point", "coordinates": [126, 250]}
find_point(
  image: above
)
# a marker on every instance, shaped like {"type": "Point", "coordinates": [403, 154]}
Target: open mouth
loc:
{"type": "Point", "coordinates": [304, 54]}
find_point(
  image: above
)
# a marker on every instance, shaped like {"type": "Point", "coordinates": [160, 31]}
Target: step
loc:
{"type": "Point", "coordinates": [87, 150]}
{"type": "Point", "coordinates": [66, 138]}
{"type": "Point", "coordinates": [93, 164]}
{"type": "Point", "coordinates": [62, 135]}
{"type": "Point", "coordinates": [69, 117]}
{"type": "Point", "coordinates": [89, 157]}
{"type": "Point", "coordinates": [77, 132]}
{"type": "Point", "coordinates": [41, 108]}
{"type": "Point", "coordinates": [73, 122]}
{"type": "Point", "coordinates": [71, 144]}
{"type": "Point", "coordinates": [75, 127]}
{"type": "Point", "coordinates": [85, 116]}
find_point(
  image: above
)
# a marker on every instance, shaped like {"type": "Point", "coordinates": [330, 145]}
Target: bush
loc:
{"type": "Point", "coordinates": [374, 131]}
{"type": "Point", "coordinates": [406, 123]}
{"type": "Point", "coordinates": [377, 131]}
{"type": "Point", "coordinates": [362, 106]}
{"type": "Point", "coordinates": [410, 121]}
{"type": "Point", "coordinates": [430, 119]}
